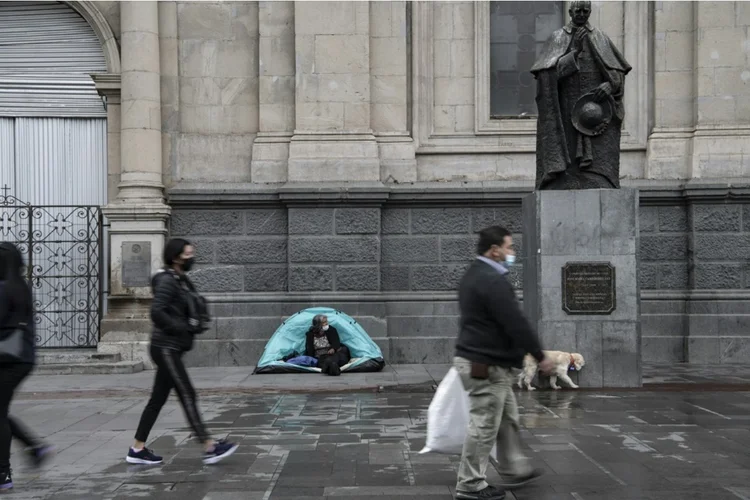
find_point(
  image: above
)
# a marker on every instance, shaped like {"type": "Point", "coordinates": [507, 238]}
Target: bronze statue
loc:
{"type": "Point", "coordinates": [580, 83]}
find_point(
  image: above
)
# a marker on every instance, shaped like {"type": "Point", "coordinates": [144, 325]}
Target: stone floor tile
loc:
{"type": "Point", "coordinates": [616, 445]}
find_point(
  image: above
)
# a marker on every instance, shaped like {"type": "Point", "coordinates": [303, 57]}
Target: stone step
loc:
{"type": "Point", "coordinates": [91, 368]}
{"type": "Point", "coordinates": [262, 327]}
{"type": "Point", "coordinates": [74, 356]}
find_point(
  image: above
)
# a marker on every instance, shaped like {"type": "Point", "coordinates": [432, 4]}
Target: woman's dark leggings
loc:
{"type": "Point", "coordinates": [11, 375]}
{"type": "Point", "coordinates": [170, 372]}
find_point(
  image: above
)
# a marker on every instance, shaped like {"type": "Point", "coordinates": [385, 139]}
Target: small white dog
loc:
{"type": "Point", "coordinates": [564, 361]}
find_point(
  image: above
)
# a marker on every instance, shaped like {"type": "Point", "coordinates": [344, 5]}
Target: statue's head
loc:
{"type": "Point", "coordinates": [579, 12]}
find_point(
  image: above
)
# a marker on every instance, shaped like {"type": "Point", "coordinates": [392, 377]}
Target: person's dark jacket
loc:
{"type": "Point", "coordinates": [16, 311]}
{"type": "Point", "coordinates": [16, 305]}
{"type": "Point", "coordinates": [493, 329]}
{"type": "Point", "coordinates": [173, 311]}
{"type": "Point", "coordinates": [333, 339]}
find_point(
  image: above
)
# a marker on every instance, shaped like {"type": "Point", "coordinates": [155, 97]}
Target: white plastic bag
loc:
{"type": "Point", "coordinates": [448, 417]}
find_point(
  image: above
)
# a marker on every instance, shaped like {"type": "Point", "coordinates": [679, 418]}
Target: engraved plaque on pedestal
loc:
{"type": "Point", "coordinates": [588, 288]}
{"type": "Point", "coordinates": [136, 263]}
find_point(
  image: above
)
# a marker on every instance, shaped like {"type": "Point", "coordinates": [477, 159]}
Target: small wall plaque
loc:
{"type": "Point", "coordinates": [136, 263]}
{"type": "Point", "coordinates": [588, 288]}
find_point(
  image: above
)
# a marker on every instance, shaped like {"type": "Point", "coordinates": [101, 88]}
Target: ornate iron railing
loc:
{"type": "Point", "coordinates": [62, 246]}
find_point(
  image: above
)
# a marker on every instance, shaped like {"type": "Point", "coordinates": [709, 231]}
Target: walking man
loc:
{"type": "Point", "coordinates": [494, 337]}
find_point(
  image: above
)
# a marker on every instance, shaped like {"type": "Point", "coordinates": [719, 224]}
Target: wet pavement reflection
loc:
{"type": "Point", "coordinates": [609, 445]}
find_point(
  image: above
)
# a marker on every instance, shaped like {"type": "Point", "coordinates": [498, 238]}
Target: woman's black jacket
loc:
{"type": "Point", "coordinates": [16, 311]}
{"type": "Point", "coordinates": [173, 311]}
{"type": "Point", "coordinates": [333, 338]}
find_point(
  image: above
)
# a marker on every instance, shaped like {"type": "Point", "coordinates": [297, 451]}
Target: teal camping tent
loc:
{"type": "Point", "coordinates": [289, 338]}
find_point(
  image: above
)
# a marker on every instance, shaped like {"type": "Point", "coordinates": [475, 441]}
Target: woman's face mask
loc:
{"type": "Point", "coordinates": [325, 328]}
{"type": "Point", "coordinates": [188, 258]}
{"type": "Point", "coordinates": [187, 264]}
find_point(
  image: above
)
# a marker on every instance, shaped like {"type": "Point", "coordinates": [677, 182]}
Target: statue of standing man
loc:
{"type": "Point", "coordinates": [580, 84]}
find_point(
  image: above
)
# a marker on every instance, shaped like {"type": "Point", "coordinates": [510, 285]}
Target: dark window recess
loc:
{"type": "Point", "coordinates": [518, 31]}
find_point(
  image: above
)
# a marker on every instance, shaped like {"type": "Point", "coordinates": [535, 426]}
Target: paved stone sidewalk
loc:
{"type": "Point", "coordinates": [620, 445]}
{"type": "Point", "coordinates": [240, 379]}
{"type": "Point", "coordinates": [393, 378]}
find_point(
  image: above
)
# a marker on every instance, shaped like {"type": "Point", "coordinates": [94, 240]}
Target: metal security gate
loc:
{"type": "Point", "coordinates": [53, 164]}
{"type": "Point", "coordinates": [62, 246]}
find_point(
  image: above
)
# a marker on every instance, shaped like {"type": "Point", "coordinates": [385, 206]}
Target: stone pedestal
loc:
{"type": "Point", "coordinates": [581, 280]}
{"type": "Point", "coordinates": [136, 238]}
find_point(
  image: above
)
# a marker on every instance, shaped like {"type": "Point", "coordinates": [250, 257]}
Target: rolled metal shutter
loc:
{"type": "Point", "coordinates": [61, 161]}
{"type": "Point", "coordinates": [7, 157]}
{"type": "Point", "coordinates": [47, 52]}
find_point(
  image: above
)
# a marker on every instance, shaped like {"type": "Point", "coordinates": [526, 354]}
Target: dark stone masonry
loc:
{"type": "Point", "coordinates": [393, 261]}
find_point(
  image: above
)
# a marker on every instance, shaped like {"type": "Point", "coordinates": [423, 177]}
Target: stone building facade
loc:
{"type": "Point", "coordinates": [345, 153]}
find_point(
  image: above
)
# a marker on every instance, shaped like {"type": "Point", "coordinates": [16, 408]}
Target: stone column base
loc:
{"type": "Point", "coordinates": [329, 158]}
{"type": "Point", "coordinates": [126, 330]}
{"type": "Point", "coordinates": [136, 243]}
{"type": "Point", "coordinates": [594, 227]}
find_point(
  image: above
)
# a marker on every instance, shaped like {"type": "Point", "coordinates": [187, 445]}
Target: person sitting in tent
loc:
{"type": "Point", "coordinates": [323, 343]}
{"type": "Point", "coordinates": [286, 349]}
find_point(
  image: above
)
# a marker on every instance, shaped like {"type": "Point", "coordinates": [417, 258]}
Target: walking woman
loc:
{"type": "Point", "coordinates": [17, 355]}
{"type": "Point", "coordinates": [178, 314]}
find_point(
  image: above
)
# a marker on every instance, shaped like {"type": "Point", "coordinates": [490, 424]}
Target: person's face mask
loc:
{"type": "Point", "coordinates": [187, 264]}
{"type": "Point", "coordinates": [510, 259]}
{"type": "Point", "coordinates": [325, 328]}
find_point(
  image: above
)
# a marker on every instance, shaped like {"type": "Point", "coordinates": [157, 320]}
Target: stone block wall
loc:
{"type": "Point", "coordinates": [719, 329]}
{"type": "Point", "coordinates": [334, 249]}
{"type": "Point", "coordinates": [395, 267]}
{"type": "Point", "coordinates": [663, 266]}
{"type": "Point", "coordinates": [720, 246]}
{"type": "Point", "coordinates": [702, 248]}
{"type": "Point", "coordinates": [236, 250]}
{"type": "Point", "coordinates": [261, 265]}
{"type": "Point", "coordinates": [429, 248]}
{"type": "Point", "coordinates": [218, 104]}
{"type": "Point", "coordinates": [664, 247]}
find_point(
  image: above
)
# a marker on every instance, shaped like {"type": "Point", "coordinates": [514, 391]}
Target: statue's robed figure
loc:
{"type": "Point", "coordinates": [580, 83]}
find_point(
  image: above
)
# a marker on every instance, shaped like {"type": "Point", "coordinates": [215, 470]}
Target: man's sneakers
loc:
{"type": "Point", "coordinates": [496, 493]}
{"type": "Point", "coordinates": [489, 493]}
{"type": "Point", "coordinates": [522, 480]}
{"type": "Point", "coordinates": [6, 482]}
{"type": "Point", "coordinates": [40, 454]}
{"type": "Point", "coordinates": [221, 450]}
{"type": "Point", "coordinates": [143, 457]}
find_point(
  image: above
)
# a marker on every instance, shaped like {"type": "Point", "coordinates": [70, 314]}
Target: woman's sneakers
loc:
{"type": "Point", "coordinates": [221, 450]}
{"type": "Point", "coordinates": [40, 454]}
{"type": "Point", "coordinates": [6, 482]}
{"type": "Point", "coordinates": [143, 457]}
